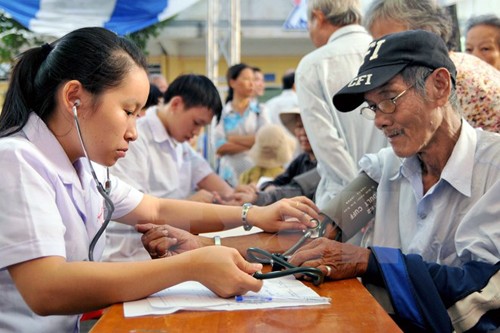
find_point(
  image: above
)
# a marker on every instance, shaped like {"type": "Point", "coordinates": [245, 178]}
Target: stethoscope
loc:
{"type": "Point", "coordinates": [279, 262]}
{"type": "Point", "coordinates": [103, 190]}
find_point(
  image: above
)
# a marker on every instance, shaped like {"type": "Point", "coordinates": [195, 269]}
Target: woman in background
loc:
{"type": "Point", "coordinates": [234, 135]}
{"type": "Point", "coordinates": [483, 38]}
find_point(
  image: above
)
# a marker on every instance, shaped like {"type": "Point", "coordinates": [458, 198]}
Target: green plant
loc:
{"type": "Point", "coordinates": [141, 37]}
{"type": "Point", "coordinates": [13, 39]}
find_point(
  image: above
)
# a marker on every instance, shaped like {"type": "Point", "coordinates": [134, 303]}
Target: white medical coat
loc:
{"type": "Point", "coordinates": [48, 207]}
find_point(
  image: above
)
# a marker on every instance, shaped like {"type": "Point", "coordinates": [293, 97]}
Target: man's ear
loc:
{"type": "Point", "coordinates": [440, 86]}
{"type": "Point", "coordinates": [176, 104]}
{"type": "Point", "coordinates": [318, 16]}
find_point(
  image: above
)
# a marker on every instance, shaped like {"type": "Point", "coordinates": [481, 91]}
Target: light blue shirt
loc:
{"type": "Point", "coordinates": [234, 123]}
{"type": "Point", "coordinates": [338, 139]}
{"type": "Point", "coordinates": [458, 219]}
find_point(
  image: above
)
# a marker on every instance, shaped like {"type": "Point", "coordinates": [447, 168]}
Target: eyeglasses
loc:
{"type": "Point", "coordinates": [386, 106]}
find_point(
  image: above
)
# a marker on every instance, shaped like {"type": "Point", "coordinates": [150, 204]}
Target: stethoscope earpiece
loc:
{"type": "Point", "coordinates": [75, 105]}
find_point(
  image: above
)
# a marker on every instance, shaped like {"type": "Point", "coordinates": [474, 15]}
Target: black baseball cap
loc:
{"type": "Point", "coordinates": [389, 55]}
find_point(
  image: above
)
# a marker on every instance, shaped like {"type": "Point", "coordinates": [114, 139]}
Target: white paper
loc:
{"type": "Point", "coordinates": [194, 296]}
{"type": "Point", "coordinates": [238, 231]}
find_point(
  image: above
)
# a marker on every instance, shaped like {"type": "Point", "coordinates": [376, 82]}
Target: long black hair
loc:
{"type": "Point", "coordinates": [96, 57]}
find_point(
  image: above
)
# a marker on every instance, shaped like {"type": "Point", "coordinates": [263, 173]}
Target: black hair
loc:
{"type": "Point", "coordinates": [232, 74]}
{"type": "Point", "coordinates": [195, 90]}
{"type": "Point", "coordinates": [153, 96]}
{"type": "Point", "coordinates": [96, 57]}
{"type": "Point", "coordinates": [288, 80]}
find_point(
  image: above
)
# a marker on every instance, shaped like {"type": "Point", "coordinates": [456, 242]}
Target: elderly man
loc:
{"type": "Point", "coordinates": [435, 242]}
{"type": "Point", "coordinates": [436, 235]}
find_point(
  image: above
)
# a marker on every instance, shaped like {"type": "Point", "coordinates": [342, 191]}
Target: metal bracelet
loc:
{"type": "Point", "coordinates": [244, 213]}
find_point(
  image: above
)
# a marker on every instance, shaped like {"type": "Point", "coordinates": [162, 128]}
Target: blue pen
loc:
{"type": "Point", "coordinates": [264, 299]}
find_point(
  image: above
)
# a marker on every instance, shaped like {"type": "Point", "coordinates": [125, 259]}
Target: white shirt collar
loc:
{"type": "Point", "coordinates": [459, 167]}
{"type": "Point", "coordinates": [157, 128]}
{"type": "Point", "coordinates": [37, 132]}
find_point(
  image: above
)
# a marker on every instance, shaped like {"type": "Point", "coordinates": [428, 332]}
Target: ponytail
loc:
{"type": "Point", "coordinates": [20, 99]}
{"type": "Point", "coordinates": [230, 95]}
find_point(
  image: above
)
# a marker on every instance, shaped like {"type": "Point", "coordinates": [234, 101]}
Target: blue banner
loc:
{"type": "Point", "coordinates": [58, 17]}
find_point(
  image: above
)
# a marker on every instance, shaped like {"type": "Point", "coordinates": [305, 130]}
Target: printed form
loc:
{"type": "Point", "coordinates": [280, 292]}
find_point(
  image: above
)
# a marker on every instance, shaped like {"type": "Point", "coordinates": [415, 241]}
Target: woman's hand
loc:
{"type": "Point", "coordinates": [223, 270]}
{"type": "Point", "coordinates": [165, 241]}
{"type": "Point", "coordinates": [298, 213]}
{"type": "Point", "coordinates": [343, 259]}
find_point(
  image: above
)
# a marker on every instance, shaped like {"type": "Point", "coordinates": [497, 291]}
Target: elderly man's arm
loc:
{"type": "Point", "coordinates": [425, 296]}
{"type": "Point", "coordinates": [436, 297]}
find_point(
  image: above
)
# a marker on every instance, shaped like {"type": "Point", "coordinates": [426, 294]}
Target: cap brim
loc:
{"type": "Point", "coordinates": [352, 95]}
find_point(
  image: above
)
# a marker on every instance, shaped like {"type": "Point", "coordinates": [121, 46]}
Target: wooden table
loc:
{"type": "Point", "coordinates": [352, 309]}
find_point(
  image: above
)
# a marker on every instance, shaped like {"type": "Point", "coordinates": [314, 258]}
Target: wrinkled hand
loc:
{"type": "Point", "coordinates": [284, 215]}
{"type": "Point", "coordinates": [344, 259]}
{"type": "Point", "coordinates": [223, 270]}
{"type": "Point", "coordinates": [165, 241]}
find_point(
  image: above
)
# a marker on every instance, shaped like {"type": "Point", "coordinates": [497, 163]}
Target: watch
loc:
{"type": "Point", "coordinates": [244, 213]}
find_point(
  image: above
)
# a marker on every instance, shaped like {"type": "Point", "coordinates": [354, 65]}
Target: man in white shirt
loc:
{"type": "Point", "coordinates": [162, 163]}
{"type": "Point", "coordinates": [286, 101]}
{"type": "Point", "coordinates": [339, 140]}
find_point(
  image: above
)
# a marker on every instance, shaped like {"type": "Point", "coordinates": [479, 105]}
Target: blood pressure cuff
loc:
{"type": "Point", "coordinates": [354, 207]}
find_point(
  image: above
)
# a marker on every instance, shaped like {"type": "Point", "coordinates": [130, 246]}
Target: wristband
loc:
{"type": "Point", "coordinates": [217, 241]}
{"type": "Point", "coordinates": [244, 213]}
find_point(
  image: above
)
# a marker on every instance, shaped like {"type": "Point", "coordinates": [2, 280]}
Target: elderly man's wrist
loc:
{"type": "Point", "coordinates": [363, 263]}
{"type": "Point", "coordinates": [372, 272]}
